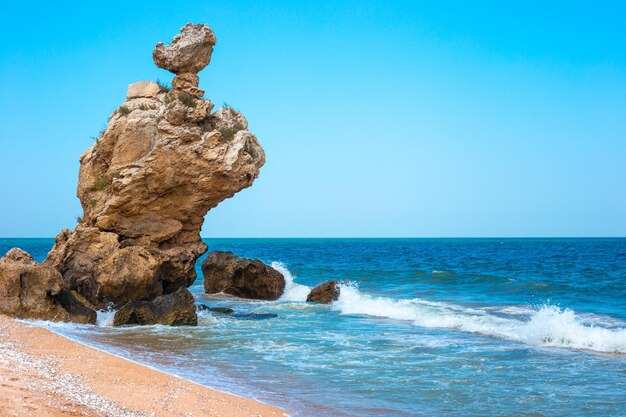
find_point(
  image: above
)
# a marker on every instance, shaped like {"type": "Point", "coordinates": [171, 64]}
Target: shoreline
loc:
{"type": "Point", "coordinates": [46, 374]}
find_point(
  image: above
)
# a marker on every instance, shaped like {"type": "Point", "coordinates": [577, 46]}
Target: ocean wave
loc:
{"type": "Point", "coordinates": [546, 326]}
{"type": "Point", "coordinates": [293, 291]}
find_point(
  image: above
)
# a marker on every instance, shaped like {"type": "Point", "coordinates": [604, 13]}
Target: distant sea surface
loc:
{"type": "Point", "coordinates": [423, 327]}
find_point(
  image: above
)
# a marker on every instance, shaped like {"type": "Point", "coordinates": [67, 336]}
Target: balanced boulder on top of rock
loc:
{"type": "Point", "coordinates": [324, 293]}
{"type": "Point", "coordinates": [188, 54]}
{"type": "Point", "coordinates": [177, 309]}
{"type": "Point", "coordinates": [224, 272]}
{"type": "Point", "coordinates": [190, 51]}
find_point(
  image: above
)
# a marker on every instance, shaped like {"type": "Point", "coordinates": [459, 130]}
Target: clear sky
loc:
{"type": "Point", "coordinates": [389, 118]}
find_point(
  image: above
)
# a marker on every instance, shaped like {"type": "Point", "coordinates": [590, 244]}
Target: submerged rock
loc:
{"type": "Point", "coordinates": [225, 272]}
{"type": "Point", "coordinates": [220, 310]}
{"type": "Point", "coordinates": [36, 291]}
{"type": "Point", "coordinates": [240, 316]}
{"type": "Point", "coordinates": [324, 293]}
{"type": "Point", "coordinates": [177, 309]}
{"type": "Point", "coordinates": [255, 316]}
{"type": "Point", "coordinates": [145, 185]}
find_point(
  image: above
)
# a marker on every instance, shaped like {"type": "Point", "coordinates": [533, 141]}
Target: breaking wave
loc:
{"type": "Point", "coordinates": [546, 326]}
{"type": "Point", "coordinates": [293, 291]}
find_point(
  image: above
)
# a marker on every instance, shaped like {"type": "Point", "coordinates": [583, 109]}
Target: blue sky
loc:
{"type": "Point", "coordinates": [385, 118]}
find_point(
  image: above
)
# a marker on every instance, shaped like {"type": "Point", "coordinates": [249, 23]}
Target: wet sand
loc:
{"type": "Point", "coordinates": [46, 375]}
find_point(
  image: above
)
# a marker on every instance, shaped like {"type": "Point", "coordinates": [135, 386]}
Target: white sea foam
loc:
{"type": "Point", "coordinates": [551, 326]}
{"type": "Point", "coordinates": [293, 291]}
{"type": "Point", "coordinates": [547, 326]}
{"type": "Point", "coordinates": [105, 317]}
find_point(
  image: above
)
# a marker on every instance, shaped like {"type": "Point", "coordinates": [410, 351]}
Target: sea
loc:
{"type": "Point", "coordinates": [422, 327]}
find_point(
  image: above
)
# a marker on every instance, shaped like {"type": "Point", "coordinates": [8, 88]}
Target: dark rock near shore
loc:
{"type": "Point", "coordinates": [225, 272]}
{"type": "Point", "coordinates": [176, 309]}
{"type": "Point", "coordinates": [81, 311]}
{"type": "Point", "coordinates": [324, 293]}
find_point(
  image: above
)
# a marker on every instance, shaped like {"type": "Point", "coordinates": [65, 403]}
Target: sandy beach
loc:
{"type": "Point", "coordinates": [46, 375]}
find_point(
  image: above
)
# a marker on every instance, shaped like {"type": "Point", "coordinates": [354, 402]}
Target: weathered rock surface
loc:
{"type": "Point", "coordinates": [224, 272]}
{"type": "Point", "coordinates": [36, 291]}
{"type": "Point", "coordinates": [163, 161]}
{"type": "Point", "coordinates": [324, 293]}
{"type": "Point", "coordinates": [190, 51]}
{"type": "Point", "coordinates": [189, 82]}
{"type": "Point", "coordinates": [176, 309]}
{"type": "Point", "coordinates": [143, 89]}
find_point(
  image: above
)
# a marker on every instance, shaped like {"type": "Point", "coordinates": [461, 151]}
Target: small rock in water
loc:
{"type": "Point", "coordinates": [246, 278]}
{"type": "Point", "coordinates": [324, 293]}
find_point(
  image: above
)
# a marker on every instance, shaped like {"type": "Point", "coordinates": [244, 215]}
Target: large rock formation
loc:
{"type": "Point", "coordinates": [145, 185]}
{"type": "Point", "coordinates": [225, 272]}
{"type": "Point", "coordinates": [36, 291]}
{"type": "Point", "coordinates": [176, 309]}
{"type": "Point", "coordinates": [324, 293]}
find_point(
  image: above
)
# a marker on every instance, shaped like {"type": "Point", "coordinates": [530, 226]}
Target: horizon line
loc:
{"type": "Point", "coordinates": [373, 237]}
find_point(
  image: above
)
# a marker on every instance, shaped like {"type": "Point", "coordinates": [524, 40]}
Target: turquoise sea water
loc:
{"type": "Point", "coordinates": [423, 327]}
